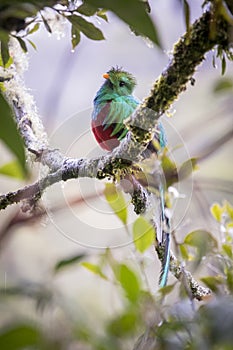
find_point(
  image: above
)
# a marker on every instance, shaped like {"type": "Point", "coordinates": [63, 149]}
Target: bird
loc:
{"type": "Point", "coordinates": [113, 104]}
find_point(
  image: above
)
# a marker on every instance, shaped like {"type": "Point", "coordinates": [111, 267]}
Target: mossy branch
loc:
{"type": "Point", "coordinates": [188, 53]}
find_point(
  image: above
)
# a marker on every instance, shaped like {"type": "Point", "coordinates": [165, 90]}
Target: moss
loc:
{"type": "Point", "coordinates": [4, 202]}
{"type": "Point", "coordinates": [188, 54]}
{"type": "Point", "coordinates": [139, 201]}
{"type": "Point", "coordinates": [114, 168]}
{"type": "Point", "coordinates": [141, 135]}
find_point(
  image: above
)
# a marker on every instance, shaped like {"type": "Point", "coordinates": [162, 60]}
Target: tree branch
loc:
{"type": "Point", "coordinates": [193, 288]}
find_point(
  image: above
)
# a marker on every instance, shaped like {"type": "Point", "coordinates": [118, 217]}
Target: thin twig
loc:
{"type": "Point", "coordinates": [20, 218]}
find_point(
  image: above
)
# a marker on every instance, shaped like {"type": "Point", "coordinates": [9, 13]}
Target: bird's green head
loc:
{"type": "Point", "coordinates": [119, 82]}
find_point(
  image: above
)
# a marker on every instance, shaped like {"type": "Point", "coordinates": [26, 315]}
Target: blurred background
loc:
{"type": "Point", "coordinates": [78, 219]}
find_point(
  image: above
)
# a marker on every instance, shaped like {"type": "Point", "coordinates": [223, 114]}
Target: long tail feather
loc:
{"type": "Point", "coordinates": [165, 241]}
{"type": "Point", "coordinates": [166, 262]}
{"type": "Point", "coordinates": [161, 218]}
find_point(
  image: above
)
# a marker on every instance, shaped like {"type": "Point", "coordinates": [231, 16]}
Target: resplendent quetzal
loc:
{"type": "Point", "coordinates": [113, 104]}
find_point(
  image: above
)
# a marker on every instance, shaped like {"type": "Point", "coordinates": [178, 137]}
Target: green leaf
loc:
{"type": "Point", "coordinates": [12, 169]}
{"type": "Point", "coordinates": [7, 65]}
{"type": "Point", "coordinates": [5, 56]}
{"type": "Point", "coordinates": [86, 27]}
{"type": "Point", "coordinates": [75, 36]}
{"type": "Point", "coordinates": [87, 10]}
{"type": "Point", "coordinates": [169, 169]}
{"type": "Point", "coordinates": [184, 252]}
{"type": "Point", "coordinates": [227, 248]}
{"type": "Point", "coordinates": [167, 289]}
{"type": "Point", "coordinates": [143, 234]}
{"type": "Point", "coordinates": [116, 201]}
{"type": "Point", "coordinates": [129, 282]}
{"type": "Point", "coordinates": [69, 261]}
{"type": "Point", "coordinates": [213, 282]}
{"type": "Point", "coordinates": [47, 26]}
{"type": "Point", "coordinates": [20, 9]}
{"type": "Point", "coordinates": [32, 44]}
{"type": "Point", "coordinates": [9, 133]}
{"type": "Point", "coordinates": [95, 269]}
{"type": "Point", "coordinates": [195, 238]}
{"type": "Point", "coordinates": [187, 168]}
{"type": "Point", "coordinates": [102, 14]}
{"type": "Point", "coordinates": [22, 43]}
{"type": "Point", "coordinates": [34, 29]}
{"type": "Point", "coordinates": [203, 241]}
{"type": "Point", "coordinates": [217, 211]}
{"type": "Point", "coordinates": [223, 85]}
{"type": "Point", "coordinates": [132, 12]}
{"type": "Point", "coordinates": [19, 337]}
{"type": "Point", "coordinates": [229, 209]}
{"type": "Point", "coordinates": [229, 225]}
{"type": "Point", "coordinates": [124, 324]}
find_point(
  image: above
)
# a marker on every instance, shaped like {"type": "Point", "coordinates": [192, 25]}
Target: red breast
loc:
{"type": "Point", "coordinates": [103, 137]}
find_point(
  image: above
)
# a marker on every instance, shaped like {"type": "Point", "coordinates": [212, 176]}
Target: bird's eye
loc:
{"type": "Point", "coordinates": [121, 83]}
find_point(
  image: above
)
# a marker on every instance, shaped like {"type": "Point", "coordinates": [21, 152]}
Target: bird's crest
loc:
{"type": "Point", "coordinates": [118, 73]}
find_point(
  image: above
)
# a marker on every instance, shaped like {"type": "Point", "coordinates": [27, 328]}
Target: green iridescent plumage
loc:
{"type": "Point", "coordinates": [117, 89]}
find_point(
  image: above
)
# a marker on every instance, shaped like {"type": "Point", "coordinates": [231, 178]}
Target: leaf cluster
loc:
{"type": "Point", "coordinates": [22, 18]}
{"type": "Point", "coordinates": [144, 315]}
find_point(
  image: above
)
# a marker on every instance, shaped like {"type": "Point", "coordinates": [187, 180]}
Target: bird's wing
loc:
{"type": "Point", "coordinates": [120, 109]}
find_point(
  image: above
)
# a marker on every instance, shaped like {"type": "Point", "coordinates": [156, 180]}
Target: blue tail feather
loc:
{"type": "Point", "coordinates": [165, 242]}
{"type": "Point", "coordinates": [165, 263]}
